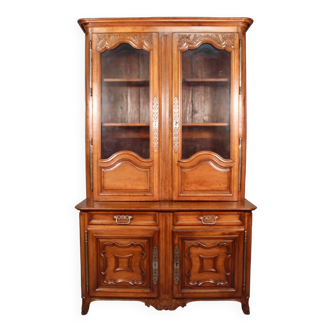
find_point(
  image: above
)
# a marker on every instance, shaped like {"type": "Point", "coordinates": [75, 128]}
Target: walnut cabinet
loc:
{"type": "Point", "coordinates": [165, 220]}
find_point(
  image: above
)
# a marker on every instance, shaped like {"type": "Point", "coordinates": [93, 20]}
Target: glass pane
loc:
{"type": "Point", "coordinates": [125, 101]}
{"type": "Point", "coordinates": [206, 79]}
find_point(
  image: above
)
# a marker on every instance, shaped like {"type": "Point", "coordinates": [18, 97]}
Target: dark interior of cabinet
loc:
{"type": "Point", "coordinates": [206, 79]}
{"type": "Point", "coordinates": [125, 86]}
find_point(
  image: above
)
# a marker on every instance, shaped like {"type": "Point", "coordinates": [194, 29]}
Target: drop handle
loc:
{"type": "Point", "coordinates": [206, 220]}
{"type": "Point", "coordinates": [123, 220]}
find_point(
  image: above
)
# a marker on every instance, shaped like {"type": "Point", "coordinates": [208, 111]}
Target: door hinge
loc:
{"type": "Point", "coordinates": [244, 262]}
{"type": "Point", "coordinates": [91, 164]}
{"type": "Point", "coordinates": [86, 264]}
{"type": "Point", "coordinates": [90, 78]}
{"type": "Point", "coordinates": [240, 162]}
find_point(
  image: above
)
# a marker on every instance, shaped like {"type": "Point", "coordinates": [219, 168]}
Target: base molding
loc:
{"type": "Point", "coordinates": [165, 303]}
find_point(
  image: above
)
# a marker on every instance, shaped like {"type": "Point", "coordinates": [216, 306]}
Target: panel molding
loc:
{"type": "Point", "coordinates": [226, 264]}
{"type": "Point", "coordinates": [117, 281]}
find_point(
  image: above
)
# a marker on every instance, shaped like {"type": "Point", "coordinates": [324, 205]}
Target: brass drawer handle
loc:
{"type": "Point", "coordinates": [205, 220]}
{"type": "Point", "coordinates": [127, 220]}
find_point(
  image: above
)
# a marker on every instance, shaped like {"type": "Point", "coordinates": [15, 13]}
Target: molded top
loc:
{"type": "Point", "coordinates": [167, 21]}
{"type": "Point", "coordinates": [244, 205]}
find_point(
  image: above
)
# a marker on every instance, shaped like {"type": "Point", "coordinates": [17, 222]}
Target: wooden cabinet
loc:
{"type": "Point", "coordinates": [165, 220]}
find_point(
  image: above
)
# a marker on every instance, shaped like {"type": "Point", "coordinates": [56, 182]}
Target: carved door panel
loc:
{"type": "Point", "coordinates": [123, 262]}
{"type": "Point", "coordinates": [125, 144]}
{"type": "Point", "coordinates": [205, 116]}
{"type": "Point", "coordinates": [208, 263]}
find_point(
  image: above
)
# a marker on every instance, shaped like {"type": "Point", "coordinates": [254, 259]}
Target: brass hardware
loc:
{"type": "Point", "coordinates": [155, 265]}
{"type": "Point", "coordinates": [176, 265]}
{"type": "Point", "coordinates": [91, 164]}
{"type": "Point", "coordinates": [86, 263]}
{"type": "Point", "coordinates": [90, 82]}
{"type": "Point", "coordinates": [176, 124]}
{"type": "Point", "coordinates": [155, 124]}
{"type": "Point", "coordinates": [244, 261]}
{"type": "Point", "coordinates": [205, 220]}
{"type": "Point", "coordinates": [128, 218]}
{"type": "Point", "coordinates": [240, 162]}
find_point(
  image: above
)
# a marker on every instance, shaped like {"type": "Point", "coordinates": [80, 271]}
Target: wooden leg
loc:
{"type": "Point", "coordinates": [85, 307]}
{"type": "Point", "coordinates": [245, 306]}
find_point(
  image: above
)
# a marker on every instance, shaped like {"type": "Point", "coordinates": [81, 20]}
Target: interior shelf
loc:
{"type": "Point", "coordinates": [205, 124]}
{"type": "Point", "coordinates": [205, 80]}
{"type": "Point", "coordinates": [125, 124]}
{"type": "Point", "coordinates": [125, 80]}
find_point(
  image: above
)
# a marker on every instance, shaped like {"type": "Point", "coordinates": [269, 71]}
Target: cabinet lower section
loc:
{"type": "Point", "coordinates": [165, 259]}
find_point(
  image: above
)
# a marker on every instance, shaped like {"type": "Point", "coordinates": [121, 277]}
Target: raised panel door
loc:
{"type": "Point", "coordinates": [205, 116]}
{"type": "Point", "coordinates": [208, 263]}
{"type": "Point", "coordinates": [123, 262]}
{"type": "Point", "coordinates": [125, 116]}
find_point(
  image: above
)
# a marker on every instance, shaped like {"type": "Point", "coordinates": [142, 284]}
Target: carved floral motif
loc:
{"type": "Point", "coordinates": [220, 40]}
{"type": "Point", "coordinates": [165, 304]}
{"type": "Point", "coordinates": [108, 41]}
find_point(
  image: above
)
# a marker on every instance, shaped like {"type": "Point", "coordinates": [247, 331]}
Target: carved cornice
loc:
{"type": "Point", "coordinates": [224, 41]}
{"type": "Point", "coordinates": [110, 41]}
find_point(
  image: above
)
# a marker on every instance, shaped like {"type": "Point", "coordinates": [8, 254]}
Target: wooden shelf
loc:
{"type": "Point", "coordinates": [205, 124]}
{"type": "Point", "coordinates": [125, 124]}
{"type": "Point", "coordinates": [115, 80]}
{"type": "Point", "coordinates": [189, 80]}
{"type": "Point", "coordinates": [134, 82]}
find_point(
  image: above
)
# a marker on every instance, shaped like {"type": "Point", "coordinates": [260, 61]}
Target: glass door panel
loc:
{"type": "Point", "coordinates": [206, 82]}
{"type": "Point", "coordinates": [125, 97]}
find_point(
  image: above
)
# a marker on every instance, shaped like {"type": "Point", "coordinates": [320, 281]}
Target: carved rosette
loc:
{"type": "Point", "coordinates": [155, 123]}
{"type": "Point", "coordinates": [109, 41]}
{"type": "Point", "coordinates": [176, 124]}
{"type": "Point", "coordinates": [219, 40]}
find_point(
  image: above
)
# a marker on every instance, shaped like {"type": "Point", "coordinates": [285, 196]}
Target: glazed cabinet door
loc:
{"type": "Point", "coordinates": [205, 116]}
{"type": "Point", "coordinates": [125, 121]}
{"type": "Point", "coordinates": [208, 263]}
{"type": "Point", "coordinates": [123, 262]}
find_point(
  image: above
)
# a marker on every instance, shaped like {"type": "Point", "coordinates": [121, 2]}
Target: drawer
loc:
{"type": "Point", "coordinates": [208, 219]}
{"type": "Point", "coordinates": [124, 218]}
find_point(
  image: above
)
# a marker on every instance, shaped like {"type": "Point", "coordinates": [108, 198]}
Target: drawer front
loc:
{"type": "Point", "coordinates": [208, 219]}
{"type": "Point", "coordinates": [124, 218]}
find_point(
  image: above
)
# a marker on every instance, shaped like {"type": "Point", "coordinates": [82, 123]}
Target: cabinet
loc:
{"type": "Point", "coordinates": [165, 220]}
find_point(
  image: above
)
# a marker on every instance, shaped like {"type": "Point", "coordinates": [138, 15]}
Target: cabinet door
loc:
{"type": "Point", "coordinates": [125, 117]}
{"type": "Point", "coordinates": [123, 262]}
{"type": "Point", "coordinates": [205, 116]}
{"type": "Point", "coordinates": [208, 263]}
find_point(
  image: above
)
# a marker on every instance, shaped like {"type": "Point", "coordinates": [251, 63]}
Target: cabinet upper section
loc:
{"type": "Point", "coordinates": [231, 24]}
{"type": "Point", "coordinates": [165, 109]}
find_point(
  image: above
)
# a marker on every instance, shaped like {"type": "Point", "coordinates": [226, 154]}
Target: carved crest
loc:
{"type": "Point", "coordinates": [109, 41]}
{"type": "Point", "coordinates": [220, 40]}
